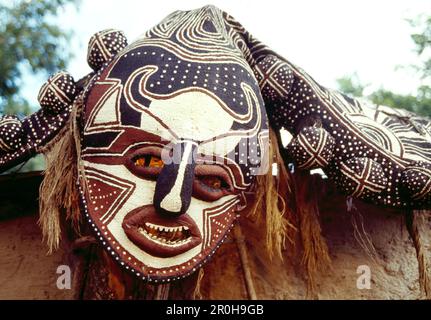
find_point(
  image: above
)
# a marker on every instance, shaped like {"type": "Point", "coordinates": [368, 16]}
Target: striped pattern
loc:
{"type": "Point", "coordinates": [275, 77]}
{"type": "Point", "coordinates": [312, 148]}
{"type": "Point", "coordinates": [361, 175]}
{"type": "Point", "coordinates": [416, 181]}
{"type": "Point", "coordinates": [10, 133]}
{"type": "Point", "coordinates": [103, 46]}
{"type": "Point", "coordinates": [57, 93]}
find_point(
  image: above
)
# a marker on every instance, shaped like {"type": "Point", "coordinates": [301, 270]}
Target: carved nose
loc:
{"type": "Point", "coordinates": [174, 184]}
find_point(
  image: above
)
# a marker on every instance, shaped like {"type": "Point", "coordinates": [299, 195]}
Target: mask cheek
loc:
{"type": "Point", "coordinates": [196, 210]}
{"type": "Point", "coordinates": [214, 219]}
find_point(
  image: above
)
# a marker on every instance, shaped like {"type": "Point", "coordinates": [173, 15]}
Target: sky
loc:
{"type": "Point", "coordinates": [328, 39]}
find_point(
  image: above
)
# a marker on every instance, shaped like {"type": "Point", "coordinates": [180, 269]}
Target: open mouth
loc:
{"type": "Point", "coordinates": [159, 236]}
{"type": "Point", "coordinates": [171, 236]}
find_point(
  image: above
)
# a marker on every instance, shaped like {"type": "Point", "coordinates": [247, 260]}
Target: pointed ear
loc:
{"type": "Point", "coordinates": [22, 139]}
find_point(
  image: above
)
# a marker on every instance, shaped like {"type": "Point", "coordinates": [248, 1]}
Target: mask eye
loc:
{"type": "Point", "coordinates": [213, 182]}
{"type": "Point", "coordinates": [145, 163]}
{"type": "Point", "coordinates": [148, 161]}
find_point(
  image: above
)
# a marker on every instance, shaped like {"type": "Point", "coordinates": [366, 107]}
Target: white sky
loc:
{"type": "Point", "coordinates": [328, 39]}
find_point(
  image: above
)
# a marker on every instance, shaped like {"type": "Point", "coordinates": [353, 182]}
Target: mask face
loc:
{"type": "Point", "coordinates": [173, 134]}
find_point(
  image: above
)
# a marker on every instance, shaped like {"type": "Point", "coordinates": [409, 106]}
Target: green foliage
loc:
{"type": "Point", "coordinates": [419, 103]}
{"type": "Point", "coordinates": [37, 163]}
{"type": "Point", "coordinates": [30, 42]}
{"type": "Point", "coordinates": [422, 41]}
{"type": "Point", "coordinates": [351, 85]}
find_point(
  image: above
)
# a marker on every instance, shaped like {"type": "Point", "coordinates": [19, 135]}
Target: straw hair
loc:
{"type": "Point", "coordinates": [315, 249]}
{"type": "Point", "coordinates": [271, 203]}
{"type": "Point", "coordinates": [197, 294]}
{"type": "Point", "coordinates": [58, 193]}
{"type": "Point", "coordinates": [415, 223]}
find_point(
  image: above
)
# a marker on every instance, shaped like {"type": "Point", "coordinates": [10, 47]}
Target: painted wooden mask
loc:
{"type": "Point", "coordinates": [173, 132]}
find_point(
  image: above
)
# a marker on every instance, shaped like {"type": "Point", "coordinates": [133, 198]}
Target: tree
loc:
{"type": "Point", "coordinates": [419, 103]}
{"type": "Point", "coordinates": [30, 42]}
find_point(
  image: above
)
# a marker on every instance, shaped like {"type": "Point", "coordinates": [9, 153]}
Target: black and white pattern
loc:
{"type": "Point", "coordinates": [11, 133]}
{"type": "Point", "coordinates": [312, 148]}
{"type": "Point", "coordinates": [57, 93]}
{"type": "Point", "coordinates": [22, 139]}
{"type": "Point", "coordinates": [361, 177]}
{"type": "Point", "coordinates": [387, 141]}
{"type": "Point", "coordinates": [416, 182]}
{"type": "Point", "coordinates": [103, 46]}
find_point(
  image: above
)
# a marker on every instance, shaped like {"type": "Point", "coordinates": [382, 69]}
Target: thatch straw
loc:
{"type": "Point", "coordinates": [414, 220]}
{"type": "Point", "coordinates": [58, 193]}
{"type": "Point", "coordinates": [316, 256]}
{"type": "Point", "coordinates": [270, 203]}
{"type": "Point", "coordinates": [197, 294]}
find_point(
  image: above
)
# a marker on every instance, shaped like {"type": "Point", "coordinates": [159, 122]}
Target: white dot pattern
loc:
{"type": "Point", "coordinates": [103, 46]}
{"type": "Point", "coordinates": [57, 93]}
{"type": "Point", "coordinates": [10, 133]}
{"type": "Point", "coordinates": [312, 148]}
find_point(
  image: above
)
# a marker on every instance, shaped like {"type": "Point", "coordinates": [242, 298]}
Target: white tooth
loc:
{"type": "Point", "coordinates": [186, 228]}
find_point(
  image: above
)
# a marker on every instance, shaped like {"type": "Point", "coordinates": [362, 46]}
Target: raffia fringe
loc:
{"type": "Point", "coordinates": [58, 193]}
{"type": "Point", "coordinates": [271, 203]}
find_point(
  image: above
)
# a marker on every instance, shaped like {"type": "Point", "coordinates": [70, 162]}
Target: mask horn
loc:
{"type": "Point", "coordinates": [57, 93]}
{"type": "Point", "coordinates": [103, 46]}
{"type": "Point", "coordinates": [22, 139]}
